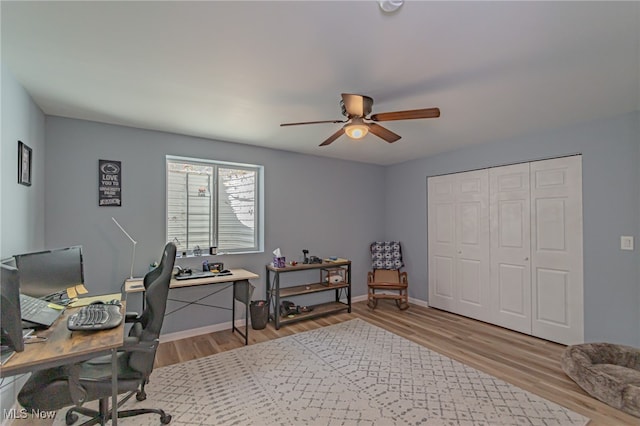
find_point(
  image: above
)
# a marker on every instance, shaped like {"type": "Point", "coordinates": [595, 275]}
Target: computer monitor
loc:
{"type": "Point", "coordinates": [11, 335]}
{"type": "Point", "coordinates": [49, 273]}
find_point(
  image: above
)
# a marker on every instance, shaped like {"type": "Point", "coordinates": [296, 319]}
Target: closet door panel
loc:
{"type": "Point", "coordinates": [469, 269]}
{"type": "Point", "coordinates": [472, 243]}
{"type": "Point", "coordinates": [443, 282]}
{"type": "Point", "coordinates": [442, 251]}
{"type": "Point", "coordinates": [510, 247]}
{"type": "Point", "coordinates": [556, 197]}
{"type": "Point", "coordinates": [552, 292]}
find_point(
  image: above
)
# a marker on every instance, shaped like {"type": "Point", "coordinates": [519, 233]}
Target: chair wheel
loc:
{"type": "Point", "coordinates": [165, 419]}
{"type": "Point", "coordinates": [70, 418]}
{"type": "Point", "coordinates": [141, 395]}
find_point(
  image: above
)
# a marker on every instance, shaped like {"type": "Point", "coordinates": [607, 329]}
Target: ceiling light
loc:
{"type": "Point", "coordinates": [356, 129]}
{"type": "Point", "coordinates": [390, 5]}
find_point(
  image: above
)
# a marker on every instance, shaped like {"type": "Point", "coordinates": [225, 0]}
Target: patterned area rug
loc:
{"type": "Point", "coordinates": [351, 373]}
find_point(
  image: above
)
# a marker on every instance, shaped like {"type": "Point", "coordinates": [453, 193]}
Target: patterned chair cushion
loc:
{"type": "Point", "coordinates": [386, 255]}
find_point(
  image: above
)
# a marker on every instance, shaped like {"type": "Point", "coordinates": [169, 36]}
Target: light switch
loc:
{"type": "Point", "coordinates": [626, 242]}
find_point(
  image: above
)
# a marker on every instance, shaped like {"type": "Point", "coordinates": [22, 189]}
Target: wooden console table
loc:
{"type": "Point", "coordinates": [275, 293]}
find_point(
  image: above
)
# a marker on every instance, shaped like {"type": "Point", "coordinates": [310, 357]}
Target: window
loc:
{"type": "Point", "coordinates": [213, 204]}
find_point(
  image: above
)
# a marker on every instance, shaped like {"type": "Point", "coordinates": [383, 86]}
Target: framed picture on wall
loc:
{"type": "Point", "coordinates": [24, 164]}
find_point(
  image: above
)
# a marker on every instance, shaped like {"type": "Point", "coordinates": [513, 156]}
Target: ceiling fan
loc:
{"type": "Point", "coordinates": [356, 108]}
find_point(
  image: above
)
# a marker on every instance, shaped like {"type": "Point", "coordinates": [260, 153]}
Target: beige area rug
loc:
{"type": "Point", "coordinates": [351, 373]}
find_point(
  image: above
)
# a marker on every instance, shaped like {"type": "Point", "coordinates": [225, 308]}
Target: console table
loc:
{"type": "Point", "coordinates": [275, 293]}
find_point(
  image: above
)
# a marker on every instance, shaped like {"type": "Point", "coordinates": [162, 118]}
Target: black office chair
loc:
{"type": "Point", "coordinates": [76, 384]}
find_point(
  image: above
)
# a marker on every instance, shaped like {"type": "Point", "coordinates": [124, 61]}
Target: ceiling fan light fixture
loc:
{"type": "Point", "coordinates": [356, 129]}
{"type": "Point", "coordinates": [390, 5]}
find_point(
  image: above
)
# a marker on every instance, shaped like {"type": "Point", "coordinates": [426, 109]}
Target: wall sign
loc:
{"type": "Point", "coordinates": [109, 183]}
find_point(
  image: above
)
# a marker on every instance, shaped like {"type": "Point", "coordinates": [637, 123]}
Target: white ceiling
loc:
{"type": "Point", "coordinates": [234, 71]}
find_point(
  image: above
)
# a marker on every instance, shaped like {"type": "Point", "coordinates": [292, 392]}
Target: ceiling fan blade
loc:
{"type": "Point", "coordinates": [333, 137]}
{"type": "Point", "coordinates": [355, 105]}
{"type": "Point", "coordinates": [312, 122]}
{"type": "Point", "coordinates": [383, 133]}
{"type": "Point", "coordinates": [407, 115]}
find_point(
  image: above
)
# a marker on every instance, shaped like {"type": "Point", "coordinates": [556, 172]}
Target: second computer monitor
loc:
{"type": "Point", "coordinates": [11, 333]}
{"type": "Point", "coordinates": [49, 272]}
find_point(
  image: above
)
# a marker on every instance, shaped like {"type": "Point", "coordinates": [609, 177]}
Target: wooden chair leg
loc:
{"type": "Point", "coordinates": [372, 302]}
{"type": "Point", "coordinates": [403, 302]}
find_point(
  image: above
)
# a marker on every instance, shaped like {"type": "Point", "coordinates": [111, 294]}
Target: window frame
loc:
{"type": "Point", "coordinates": [258, 246]}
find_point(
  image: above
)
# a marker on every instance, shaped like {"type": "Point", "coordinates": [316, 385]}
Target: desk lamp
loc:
{"type": "Point", "coordinates": [133, 252]}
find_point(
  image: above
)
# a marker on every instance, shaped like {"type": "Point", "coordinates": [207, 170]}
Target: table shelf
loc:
{"type": "Point", "coordinates": [309, 288]}
{"type": "Point", "coordinates": [318, 310]}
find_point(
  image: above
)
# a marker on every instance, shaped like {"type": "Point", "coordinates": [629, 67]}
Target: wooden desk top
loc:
{"type": "Point", "coordinates": [136, 285]}
{"type": "Point", "coordinates": [63, 346]}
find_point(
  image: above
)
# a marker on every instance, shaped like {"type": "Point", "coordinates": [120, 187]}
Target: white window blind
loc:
{"type": "Point", "coordinates": [212, 204]}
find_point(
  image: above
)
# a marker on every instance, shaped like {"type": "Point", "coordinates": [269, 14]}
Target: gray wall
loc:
{"type": "Point", "coordinates": [611, 208]}
{"type": "Point", "coordinates": [330, 207]}
{"type": "Point", "coordinates": [21, 207]}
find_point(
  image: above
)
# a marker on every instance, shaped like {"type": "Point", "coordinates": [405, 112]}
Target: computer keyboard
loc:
{"type": "Point", "coordinates": [95, 317]}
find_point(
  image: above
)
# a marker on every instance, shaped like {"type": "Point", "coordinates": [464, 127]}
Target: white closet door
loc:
{"type": "Point", "coordinates": [472, 245]}
{"type": "Point", "coordinates": [510, 247]}
{"type": "Point", "coordinates": [441, 214]}
{"type": "Point", "coordinates": [556, 241]}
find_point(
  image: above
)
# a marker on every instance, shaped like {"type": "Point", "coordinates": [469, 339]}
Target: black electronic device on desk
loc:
{"type": "Point", "coordinates": [188, 274]}
{"type": "Point", "coordinates": [37, 312]}
{"type": "Point", "coordinates": [97, 316]}
{"type": "Point", "coordinates": [11, 337]}
{"type": "Point", "coordinates": [47, 274]}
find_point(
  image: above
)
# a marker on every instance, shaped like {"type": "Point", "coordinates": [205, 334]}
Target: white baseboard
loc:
{"type": "Point", "coordinates": [359, 298]}
{"type": "Point", "coordinates": [170, 337]}
{"type": "Point", "coordinates": [419, 302]}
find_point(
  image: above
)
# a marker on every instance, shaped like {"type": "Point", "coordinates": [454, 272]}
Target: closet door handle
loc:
{"type": "Point", "coordinates": [526, 259]}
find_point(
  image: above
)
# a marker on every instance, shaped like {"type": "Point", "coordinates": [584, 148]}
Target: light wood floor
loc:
{"type": "Point", "coordinates": [527, 362]}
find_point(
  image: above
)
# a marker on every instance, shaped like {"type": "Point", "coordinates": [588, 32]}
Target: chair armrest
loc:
{"type": "Point", "coordinates": [132, 344]}
{"type": "Point", "coordinates": [131, 317]}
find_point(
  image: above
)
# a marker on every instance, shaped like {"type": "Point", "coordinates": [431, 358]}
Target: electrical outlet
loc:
{"type": "Point", "coordinates": [626, 242]}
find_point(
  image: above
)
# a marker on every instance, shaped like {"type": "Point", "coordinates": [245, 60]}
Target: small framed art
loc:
{"type": "Point", "coordinates": [24, 164]}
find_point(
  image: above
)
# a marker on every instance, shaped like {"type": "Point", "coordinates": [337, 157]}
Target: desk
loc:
{"type": "Point", "coordinates": [239, 279]}
{"type": "Point", "coordinates": [64, 347]}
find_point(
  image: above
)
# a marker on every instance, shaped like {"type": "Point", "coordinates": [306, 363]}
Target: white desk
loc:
{"type": "Point", "coordinates": [239, 279]}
